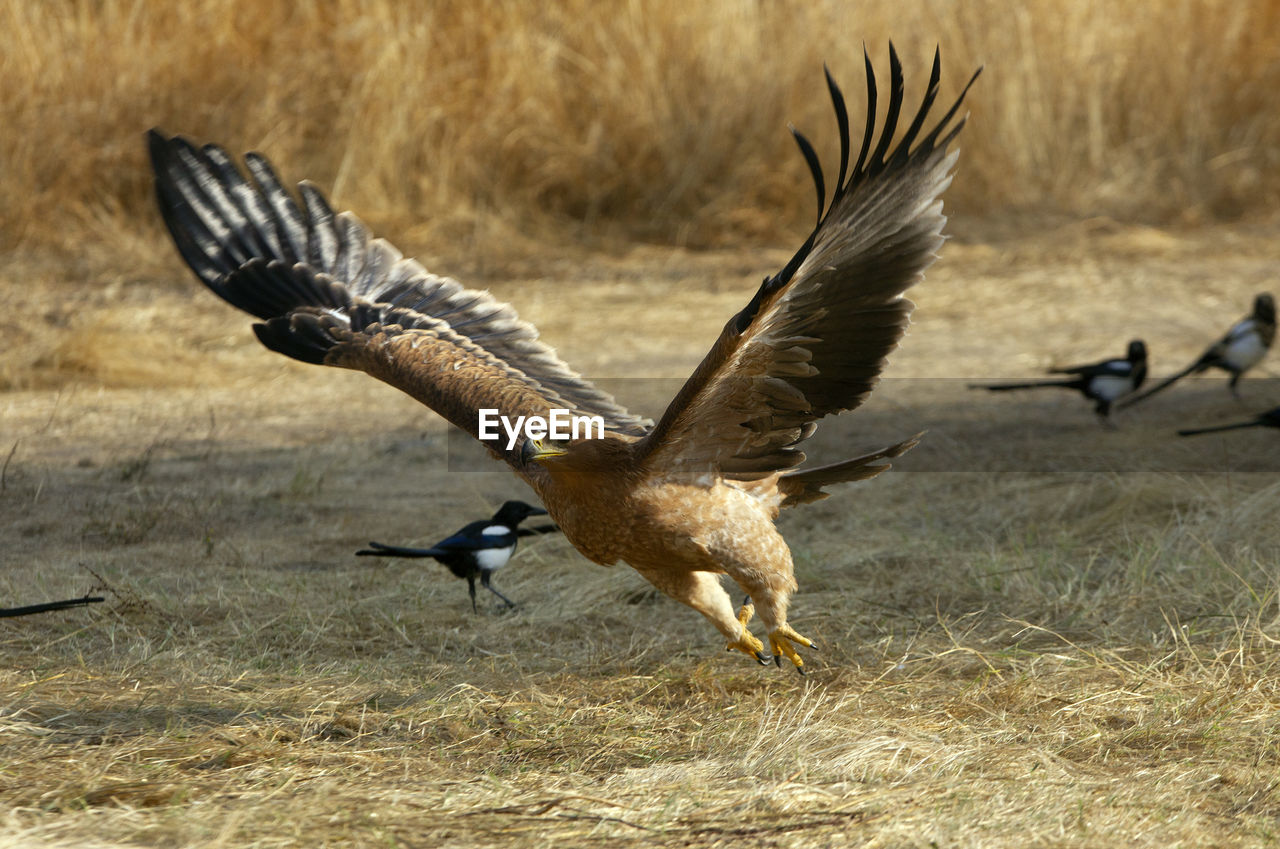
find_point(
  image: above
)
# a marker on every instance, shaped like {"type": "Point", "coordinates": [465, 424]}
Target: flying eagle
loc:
{"type": "Point", "coordinates": [685, 500]}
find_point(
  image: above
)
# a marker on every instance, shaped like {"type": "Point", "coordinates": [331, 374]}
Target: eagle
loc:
{"type": "Point", "coordinates": [685, 500]}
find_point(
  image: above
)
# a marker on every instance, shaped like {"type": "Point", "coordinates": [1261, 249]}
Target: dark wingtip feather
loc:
{"type": "Point", "coordinates": [869, 132]}
{"type": "Point", "coordinates": [173, 160]}
{"type": "Point", "coordinates": [156, 142]}
{"type": "Point", "coordinates": [815, 168]}
{"type": "Point", "coordinates": [842, 122]}
{"type": "Point", "coordinates": [931, 139]}
{"type": "Point", "coordinates": [897, 87]}
{"type": "Point", "coordinates": [930, 95]}
{"type": "Point", "coordinates": [873, 165]}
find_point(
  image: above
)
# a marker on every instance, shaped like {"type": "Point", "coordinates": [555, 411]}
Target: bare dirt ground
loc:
{"type": "Point", "coordinates": [1035, 631]}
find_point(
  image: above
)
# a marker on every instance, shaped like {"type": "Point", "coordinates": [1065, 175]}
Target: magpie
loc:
{"type": "Point", "coordinates": [478, 549]}
{"type": "Point", "coordinates": [1102, 382]}
{"type": "Point", "coordinates": [48, 606]}
{"type": "Point", "coordinates": [1271, 418]}
{"type": "Point", "coordinates": [1240, 349]}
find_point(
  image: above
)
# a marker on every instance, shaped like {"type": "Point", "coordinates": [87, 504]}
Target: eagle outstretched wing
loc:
{"type": "Point", "coordinates": [814, 338]}
{"type": "Point", "coordinates": [329, 293]}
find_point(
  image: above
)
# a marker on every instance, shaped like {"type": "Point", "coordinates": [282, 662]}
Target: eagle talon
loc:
{"type": "Point", "coordinates": [748, 645]}
{"type": "Point", "coordinates": [781, 641]}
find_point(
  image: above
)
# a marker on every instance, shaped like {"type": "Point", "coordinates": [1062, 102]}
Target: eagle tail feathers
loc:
{"type": "Point", "coordinates": [803, 486]}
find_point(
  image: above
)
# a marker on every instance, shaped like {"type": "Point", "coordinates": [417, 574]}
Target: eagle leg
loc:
{"type": "Point", "coordinates": [780, 640]}
{"type": "Point", "coordinates": [747, 644]}
{"type": "Point", "coordinates": [702, 591]}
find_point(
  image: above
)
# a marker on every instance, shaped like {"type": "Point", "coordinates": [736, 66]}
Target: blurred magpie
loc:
{"type": "Point", "coordinates": [1102, 382]}
{"type": "Point", "coordinates": [1271, 418]}
{"type": "Point", "coordinates": [478, 549]}
{"type": "Point", "coordinates": [1243, 346]}
{"type": "Point", "coordinates": [48, 606]}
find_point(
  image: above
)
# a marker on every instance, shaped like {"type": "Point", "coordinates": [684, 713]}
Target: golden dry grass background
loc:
{"type": "Point", "coordinates": [654, 120]}
{"type": "Point", "coordinates": [1078, 658]}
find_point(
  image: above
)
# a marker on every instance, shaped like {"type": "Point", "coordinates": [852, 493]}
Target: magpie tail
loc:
{"type": "Point", "coordinates": [48, 606]}
{"type": "Point", "coordinates": [1196, 431]}
{"type": "Point", "coordinates": [1034, 384]}
{"type": "Point", "coordinates": [1198, 366]}
{"type": "Point", "coordinates": [377, 549]}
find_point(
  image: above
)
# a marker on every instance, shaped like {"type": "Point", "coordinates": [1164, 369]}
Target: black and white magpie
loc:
{"type": "Point", "coordinates": [1240, 349]}
{"type": "Point", "coordinates": [478, 549]}
{"type": "Point", "coordinates": [1102, 382]}
{"type": "Point", "coordinates": [48, 606]}
{"type": "Point", "coordinates": [1271, 418]}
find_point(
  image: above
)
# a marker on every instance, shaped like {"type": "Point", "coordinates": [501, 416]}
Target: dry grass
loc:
{"type": "Point", "coordinates": [1084, 659]}
{"type": "Point", "coordinates": [481, 129]}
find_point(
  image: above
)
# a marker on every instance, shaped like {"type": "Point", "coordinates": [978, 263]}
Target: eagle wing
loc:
{"type": "Point", "coordinates": [329, 293]}
{"type": "Point", "coordinates": [814, 338]}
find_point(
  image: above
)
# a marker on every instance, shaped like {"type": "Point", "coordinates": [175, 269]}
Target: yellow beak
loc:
{"type": "Point", "coordinates": [535, 450]}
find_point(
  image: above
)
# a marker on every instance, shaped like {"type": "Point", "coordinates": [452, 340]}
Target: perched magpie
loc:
{"type": "Point", "coordinates": [477, 550]}
{"type": "Point", "coordinates": [1242, 348]}
{"type": "Point", "coordinates": [1271, 418]}
{"type": "Point", "coordinates": [48, 606]}
{"type": "Point", "coordinates": [1102, 382]}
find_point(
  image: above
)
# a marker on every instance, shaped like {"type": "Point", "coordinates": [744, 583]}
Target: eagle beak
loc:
{"type": "Point", "coordinates": [537, 451]}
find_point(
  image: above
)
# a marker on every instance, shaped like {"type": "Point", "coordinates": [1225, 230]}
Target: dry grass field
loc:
{"type": "Point", "coordinates": [1036, 631]}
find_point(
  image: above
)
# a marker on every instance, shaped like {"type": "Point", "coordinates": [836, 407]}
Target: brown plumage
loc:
{"type": "Point", "coordinates": [683, 501]}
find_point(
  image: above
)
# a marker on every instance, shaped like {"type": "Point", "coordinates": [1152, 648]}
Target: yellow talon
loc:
{"type": "Point", "coordinates": [748, 645]}
{"type": "Point", "coordinates": [780, 641]}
